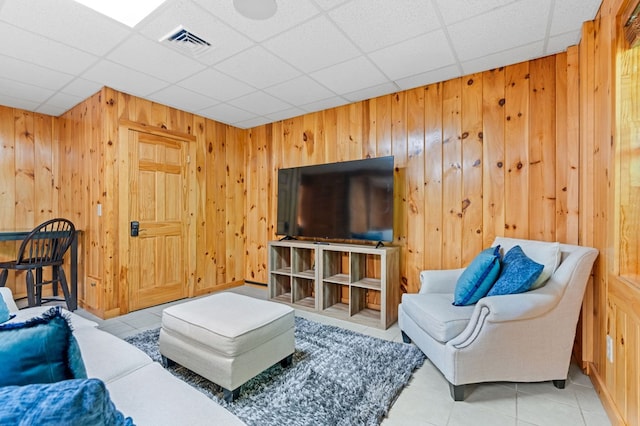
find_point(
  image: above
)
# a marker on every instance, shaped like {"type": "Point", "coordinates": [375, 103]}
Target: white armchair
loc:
{"type": "Point", "coordinates": [526, 337]}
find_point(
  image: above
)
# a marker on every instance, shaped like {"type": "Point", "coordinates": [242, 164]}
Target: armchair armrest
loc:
{"type": "Point", "coordinates": [506, 308]}
{"type": "Point", "coordinates": [439, 281]}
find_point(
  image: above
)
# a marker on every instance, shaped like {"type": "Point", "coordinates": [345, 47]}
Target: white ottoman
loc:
{"type": "Point", "coordinates": [227, 338]}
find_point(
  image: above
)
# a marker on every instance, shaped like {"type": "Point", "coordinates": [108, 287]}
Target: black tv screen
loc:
{"type": "Point", "coordinates": [349, 200]}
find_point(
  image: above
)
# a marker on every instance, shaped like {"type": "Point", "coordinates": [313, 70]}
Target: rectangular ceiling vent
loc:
{"type": "Point", "coordinates": [185, 41]}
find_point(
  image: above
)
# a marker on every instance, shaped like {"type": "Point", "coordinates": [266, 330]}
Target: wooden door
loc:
{"type": "Point", "coordinates": [159, 201]}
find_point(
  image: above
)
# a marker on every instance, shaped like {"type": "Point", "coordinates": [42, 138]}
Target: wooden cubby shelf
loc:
{"type": "Point", "coordinates": [353, 282]}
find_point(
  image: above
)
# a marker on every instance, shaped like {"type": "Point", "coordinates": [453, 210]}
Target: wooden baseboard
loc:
{"type": "Point", "coordinates": [605, 397]}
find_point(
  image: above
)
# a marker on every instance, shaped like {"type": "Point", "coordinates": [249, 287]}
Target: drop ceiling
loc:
{"type": "Point", "coordinates": [311, 55]}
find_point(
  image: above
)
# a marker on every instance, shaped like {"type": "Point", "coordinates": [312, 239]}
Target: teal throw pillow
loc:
{"type": "Point", "coordinates": [4, 311]}
{"type": "Point", "coordinates": [478, 277]}
{"type": "Point", "coordinates": [518, 273]}
{"type": "Point", "coordinates": [40, 350]}
{"type": "Point", "coordinates": [79, 402]}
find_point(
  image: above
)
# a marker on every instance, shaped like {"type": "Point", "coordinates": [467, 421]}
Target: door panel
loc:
{"type": "Point", "coordinates": [158, 257]}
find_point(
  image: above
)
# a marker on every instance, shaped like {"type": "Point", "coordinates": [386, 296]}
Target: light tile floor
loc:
{"type": "Point", "coordinates": [426, 399]}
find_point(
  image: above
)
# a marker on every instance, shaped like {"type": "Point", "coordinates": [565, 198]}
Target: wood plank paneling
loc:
{"type": "Point", "coordinates": [462, 152]}
{"type": "Point", "coordinates": [516, 151]}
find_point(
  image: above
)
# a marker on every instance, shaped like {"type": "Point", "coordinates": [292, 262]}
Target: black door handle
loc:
{"type": "Point", "coordinates": [135, 228]}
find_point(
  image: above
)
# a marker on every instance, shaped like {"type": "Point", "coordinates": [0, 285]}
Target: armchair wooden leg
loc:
{"type": "Point", "coordinates": [560, 384]}
{"type": "Point", "coordinates": [405, 338]}
{"type": "Point", "coordinates": [457, 392]}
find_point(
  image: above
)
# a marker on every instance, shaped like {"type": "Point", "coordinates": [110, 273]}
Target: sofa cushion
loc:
{"type": "Point", "coordinates": [76, 321]}
{"type": "Point", "coordinates": [40, 350]}
{"type": "Point", "coordinates": [518, 273]}
{"type": "Point", "coordinates": [478, 277]}
{"type": "Point", "coordinates": [434, 313]}
{"type": "Point", "coordinates": [161, 399]}
{"type": "Point", "coordinates": [543, 252]}
{"type": "Point", "coordinates": [69, 402]}
{"type": "Point", "coordinates": [108, 357]}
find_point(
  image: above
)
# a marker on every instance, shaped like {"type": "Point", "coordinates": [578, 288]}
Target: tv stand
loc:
{"type": "Point", "coordinates": [380, 244]}
{"type": "Point", "coordinates": [347, 281]}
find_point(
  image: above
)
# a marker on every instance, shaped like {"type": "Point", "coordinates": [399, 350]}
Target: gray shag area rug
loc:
{"type": "Point", "coordinates": [338, 377]}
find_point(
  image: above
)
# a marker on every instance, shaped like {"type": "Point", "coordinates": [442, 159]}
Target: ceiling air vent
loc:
{"type": "Point", "coordinates": [185, 41]}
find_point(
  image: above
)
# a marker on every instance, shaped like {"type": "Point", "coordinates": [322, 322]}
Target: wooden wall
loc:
{"type": "Point", "coordinates": [484, 155]}
{"type": "Point", "coordinates": [29, 187]}
{"type": "Point", "coordinates": [610, 208]}
{"type": "Point", "coordinates": [68, 165]}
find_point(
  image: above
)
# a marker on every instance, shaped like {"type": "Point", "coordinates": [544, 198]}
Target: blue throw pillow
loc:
{"type": "Point", "coordinates": [40, 350]}
{"type": "Point", "coordinates": [80, 402]}
{"type": "Point", "coordinates": [478, 277]}
{"type": "Point", "coordinates": [518, 273]}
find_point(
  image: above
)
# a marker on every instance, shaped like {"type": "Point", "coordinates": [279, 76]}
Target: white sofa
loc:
{"type": "Point", "coordinates": [139, 387]}
{"type": "Point", "coordinates": [526, 337]}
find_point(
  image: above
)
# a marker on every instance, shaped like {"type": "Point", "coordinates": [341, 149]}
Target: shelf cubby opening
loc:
{"type": "Point", "coordinates": [303, 262]}
{"type": "Point", "coordinates": [281, 260]}
{"type": "Point", "coordinates": [304, 292]}
{"type": "Point", "coordinates": [281, 288]}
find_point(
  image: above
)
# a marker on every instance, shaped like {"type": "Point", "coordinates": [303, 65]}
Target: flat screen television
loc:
{"type": "Point", "coordinates": [349, 200]}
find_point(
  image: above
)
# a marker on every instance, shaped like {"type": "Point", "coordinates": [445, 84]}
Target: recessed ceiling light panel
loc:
{"type": "Point", "coordinates": [256, 9]}
{"type": "Point", "coordinates": [124, 11]}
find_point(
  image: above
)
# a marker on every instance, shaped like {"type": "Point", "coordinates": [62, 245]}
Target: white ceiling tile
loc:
{"type": "Point", "coordinates": [216, 85]}
{"type": "Point", "coordinates": [289, 14]}
{"type": "Point", "coordinates": [435, 76]}
{"type": "Point", "coordinates": [39, 50]}
{"type": "Point", "coordinates": [50, 109]}
{"type": "Point", "coordinates": [225, 41]}
{"type": "Point", "coordinates": [507, 57]}
{"type": "Point", "coordinates": [287, 113]}
{"type": "Point", "coordinates": [258, 68]}
{"type": "Point", "coordinates": [259, 103]}
{"type": "Point", "coordinates": [154, 59]}
{"type": "Point", "coordinates": [63, 100]}
{"type": "Point", "coordinates": [374, 24]}
{"type": "Point", "coordinates": [312, 45]}
{"type": "Point", "coordinates": [83, 88]}
{"type": "Point", "coordinates": [371, 92]}
{"type": "Point", "coordinates": [183, 99]}
{"type": "Point", "coordinates": [329, 4]}
{"type": "Point", "coordinates": [227, 113]}
{"type": "Point", "coordinates": [560, 42]}
{"type": "Point", "coordinates": [300, 91]}
{"type": "Point", "coordinates": [350, 76]}
{"type": "Point", "coordinates": [459, 10]}
{"type": "Point", "coordinates": [15, 89]}
{"type": "Point", "coordinates": [423, 53]}
{"type": "Point", "coordinates": [571, 14]}
{"type": "Point", "coordinates": [514, 25]}
{"type": "Point", "coordinates": [325, 104]}
{"type": "Point", "coordinates": [247, 124]}
{"type": "Point", "coordinates": [16, 102]}
{"type": "Point", "coordinates": [33, 74]}
{"type": "Point", "coordinates": [81, 27]}
{"type": "Point", "coordinates": [124, 79]}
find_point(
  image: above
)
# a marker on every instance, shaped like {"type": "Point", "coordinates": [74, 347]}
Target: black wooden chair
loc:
{"type": "Point", "coordinates": [45, 246]}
